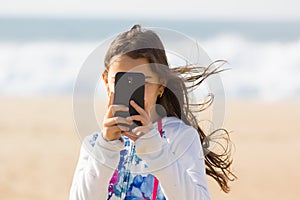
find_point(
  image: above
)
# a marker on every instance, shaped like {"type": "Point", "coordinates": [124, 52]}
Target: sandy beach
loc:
{"type": "Point", "coordinates": [39, 148]}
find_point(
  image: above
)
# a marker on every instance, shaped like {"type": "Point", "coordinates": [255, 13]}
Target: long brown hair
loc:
{"type": "Point", "coordinates": [141, 43]}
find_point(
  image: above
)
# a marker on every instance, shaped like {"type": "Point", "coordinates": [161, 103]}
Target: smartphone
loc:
{"type": "Point", "coordinates": [129, 86]}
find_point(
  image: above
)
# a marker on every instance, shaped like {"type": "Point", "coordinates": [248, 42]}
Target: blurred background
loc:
{"type": "Point", "coordinates": [44, 43]}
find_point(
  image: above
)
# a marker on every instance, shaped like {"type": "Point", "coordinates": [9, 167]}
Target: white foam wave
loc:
{"type": "Point", "coordinates": [40, 68]}
{"type": "Point", "coordinates": [264, 70]}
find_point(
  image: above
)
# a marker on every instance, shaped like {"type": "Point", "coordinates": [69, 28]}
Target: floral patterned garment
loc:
{"type": "Point", "coordinates": [123, 185]}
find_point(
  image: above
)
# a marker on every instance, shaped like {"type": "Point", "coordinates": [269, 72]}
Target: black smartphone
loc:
{"type": "Point", "coordinates": [129, 86]}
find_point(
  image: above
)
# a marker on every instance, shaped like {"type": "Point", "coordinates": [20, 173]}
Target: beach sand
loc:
{"type": "Point", "coordinates": [40, 148]}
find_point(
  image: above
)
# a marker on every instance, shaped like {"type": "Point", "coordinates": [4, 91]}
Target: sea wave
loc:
{"type": "Point", "coordinates": [267, 70]}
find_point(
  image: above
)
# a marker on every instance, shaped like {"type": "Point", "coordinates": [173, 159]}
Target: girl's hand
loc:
{"type": "Point", "coordinates": [144, 118]}
{"type": "Point", "coordinates": [111, 130]}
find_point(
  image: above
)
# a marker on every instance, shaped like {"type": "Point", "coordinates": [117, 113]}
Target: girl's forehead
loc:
{"type": "Point", "coordinates": [146, 70]}
{"type": "Point", "coordinates": [127, 64]}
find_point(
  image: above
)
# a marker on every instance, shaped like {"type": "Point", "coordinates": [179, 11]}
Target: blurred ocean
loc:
{"type": "Point", "coordinates": [43, 56]}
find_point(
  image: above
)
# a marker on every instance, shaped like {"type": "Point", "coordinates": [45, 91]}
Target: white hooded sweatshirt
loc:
{"type": "Point", "coordinates": [126, 169]}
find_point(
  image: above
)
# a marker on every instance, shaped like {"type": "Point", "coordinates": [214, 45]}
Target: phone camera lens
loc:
{"type": "Point", "coordinates": [130, 80]}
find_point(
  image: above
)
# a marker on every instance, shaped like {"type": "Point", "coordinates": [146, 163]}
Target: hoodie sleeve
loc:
{"type": "Point", "coordinates": [177, 162]}
{"type": "Point", "coordinates": [97, 161]}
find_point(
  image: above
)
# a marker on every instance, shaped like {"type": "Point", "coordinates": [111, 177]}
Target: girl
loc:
{"type": "Point", "coordinates": [164, 158]}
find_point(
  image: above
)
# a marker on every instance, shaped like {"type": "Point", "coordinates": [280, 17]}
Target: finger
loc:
{"type": "Point", "coordinates": [138, 108]}
{"type": "Point", "coordinates": [112, 109]}
{"type": "Point", "coordinates": [140, 130]}
{"type": "Point", "coordinates": [116, 129]}
{"type": "Point", "coordinates": [115, 108]}
{"type": "Point", "coordinates": [140, 118]}
{"type": "Point", "coordinates": [117, 120]}
{"type": "Point", "coordinates": [130, 135]}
